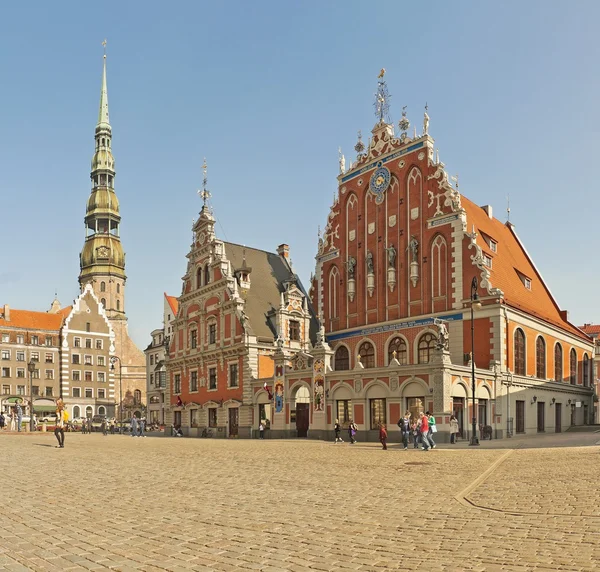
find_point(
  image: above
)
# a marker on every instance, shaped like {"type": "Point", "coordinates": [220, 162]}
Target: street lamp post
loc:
{"type": "Point", "coordinates": [475, 305]}
{"type": "Point", "coordinates": [113, 360]}
{"type": "Point", "coordinates": [31, 369]}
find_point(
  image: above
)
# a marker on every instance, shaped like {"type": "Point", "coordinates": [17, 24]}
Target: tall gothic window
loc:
{"type": "Point", "coordinates": [520, 352]}
{"type": "Point", "coordinates": [586, 370]}
{"type": "Point", "coordinates": [199, 278]}
{"type": "Point", "coordinates": [558, 363]}
{"type": "Point", "coordinates": [573, 366]}
{"type": "Point", "coordinates": [102, 286]}
{"type": "Point", "coordinates": [206, 275]}
{"type": "Point", "coordinates": [118, 304]}
{"type": "Point", "coordinates": [426, 346]}
{"type": "Point", "coordinates": [398, 345]}
{"type": "Point", "coordinates": [367, 354]}
{"type": "Point", "coordinates": [540, 358]}
{"type": "Point", "coordinates": [342, 359]}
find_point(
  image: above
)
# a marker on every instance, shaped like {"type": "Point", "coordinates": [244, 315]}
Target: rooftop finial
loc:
{"type": "Point", "coordinates": [360, 146]}
{"type": "Point", "coordinates": [103, 120]}
{"type": "Point", "coordinates": [507, 208]}
{"type": "Point", "coordinates": [382, 97]}
{"type": "Point", "coordinates": [426, 121]}
{"type": "Point", "coordinates": [204, 193]}
{"type": "Point", "coordinates": [403, 124]}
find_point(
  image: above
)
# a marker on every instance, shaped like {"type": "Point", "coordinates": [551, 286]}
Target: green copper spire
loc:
{"type": "Point", "coordinates": [103, 111]}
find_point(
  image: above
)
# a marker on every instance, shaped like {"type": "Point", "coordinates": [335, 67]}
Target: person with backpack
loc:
{"type": "Point", "coordinates": [405, 428]}
{"type": "Point", "coordinates": [59, 429]}
{"type": "Point", "coordinates": [352, 429]}
{"type": "Point", "coordinates": [425, 432]}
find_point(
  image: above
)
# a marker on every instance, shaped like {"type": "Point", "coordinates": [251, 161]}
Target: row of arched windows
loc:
{"type": "Point", "coordinates": [202, 276]}
{"type": "Point", "coordinates": [520, 358]}
{"type": "Point", "coordinates": [397, 348]}
{"type": "Point", "coordinates": [103, 287]}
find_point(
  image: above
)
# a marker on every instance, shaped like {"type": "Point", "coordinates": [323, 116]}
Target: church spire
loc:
{"type": "Point", "coordinates": [103, 121]}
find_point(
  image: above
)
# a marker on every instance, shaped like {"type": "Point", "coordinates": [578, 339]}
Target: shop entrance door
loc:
{"type": "Point", "coordinates": [558, 417]}
{"type": "Point", "coordinates": [520, 414]}
{"type": "Point", "coordinates": [541, 417]}
{"type": "Point", "coordinates": [302, 419]}
{"type": "Point", "coordinates": [234, 416]}
{"type": "Point", "coordinates": [458, 407]}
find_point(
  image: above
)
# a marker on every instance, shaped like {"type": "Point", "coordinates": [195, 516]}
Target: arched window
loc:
{"type": "Point", "coordinates": [558, 363]}
{"type": "Point", "coordinates": [573, 366]}
{"type": "Point", "coordinates": [103, 302]}
{"type": "Point", "coordinates": [76, 411]}
{"type": "Point", "coordinates": [586, 370]}
{"type": "Point", "coordinates": [118, 288]}
{"type": "Point", "coordinates": [540, 358]}
{"type": "Point", "coordinates": [102, 410]}
{"type": "Point", "coordinates": [367, 354]}
{"type": "Point", "coordinates": [342, 359]}
{"type": "Point", "coordinates": [206, 275]}
{"type": "Point", "coordinates": [89, 411]}
{"type": "Point", "coordinates": [520, 352]}
{"type": "Point", "coordinates": [426, 346]}
{"type": "Point", "coordinates": [199, 278]}
{"type": "Point", "coordinates": [137, 396]}
{"type": "Point", "coordinates": [398, 345]}
{"type": "Point", "coordinates": [118, 304]}
{"type": "Point", "coordinates": [102, 286]}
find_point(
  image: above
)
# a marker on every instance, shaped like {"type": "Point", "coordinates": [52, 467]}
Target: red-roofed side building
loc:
{"type": "Point", "coordinates": [593, 331]}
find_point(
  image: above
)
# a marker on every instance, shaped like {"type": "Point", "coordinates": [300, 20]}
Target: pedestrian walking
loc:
{"type": "Point", "coordinates": [59, 429]}
{"type": "Point", "coordinates": [19, 416]}
{"type": "Point", "coordinates": [383, 436]}
{"type": "Point", "coordinates": [405, 428]}
{"type": "Point", "coordinates": [89, 425]}
{"type": "Point", "coordinates": [352, 430]}
{"type": "Point", "coordinates": [13, 420]}
{"type": "Point", "coordinates": [416, 432]}
{"type": "Point", "coordinates": [134, 424]}
{"type": "Point", "coordinates": [424, 433]}
{"type": "Point", "coordinates": [453, 429]}
{"type": "Point", "coordinates": [2, 421]}
{"type": "Point", "coordinates": [35, 422]}
{"type": "Point", "coordinates": [104, 427]}
{"type": "Point", "coordinates": [141, 427]}
{"type": "Point", "coordinates": [432, 428]}
{"type": "Point", "coordinates": [338, 429]}
{"type": "Point", "coordinates": [261, 430]}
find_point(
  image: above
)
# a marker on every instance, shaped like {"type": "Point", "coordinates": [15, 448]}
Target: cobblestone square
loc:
{"type": "Point", "coordinates": [125, 503]}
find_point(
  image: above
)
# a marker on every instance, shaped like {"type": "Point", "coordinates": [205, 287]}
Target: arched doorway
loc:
{"type": "Point", "coordinates": [102, 410]}
{"type": "Point", "coordinates": [76, 411]}
{"type": "Point", "coordinates": [459, 403]}
{"type": "Point", "coordinates": [302, 411]}
{"type": "Point", "coordinates": [89, 411]}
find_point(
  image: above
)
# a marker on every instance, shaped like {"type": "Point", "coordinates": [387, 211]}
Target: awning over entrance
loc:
{"type": "Point", "coordinates": [14, 399]}
{"type": "Point", "coordinates": [44, 405]}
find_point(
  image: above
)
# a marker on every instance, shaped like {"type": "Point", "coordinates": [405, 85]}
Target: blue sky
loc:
{"type": "Point", "coordinates": [268, 91]}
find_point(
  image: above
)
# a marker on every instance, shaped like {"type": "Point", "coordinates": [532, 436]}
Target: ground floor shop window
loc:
{"type": "Point", "coordinates": [212, 417]}
{"type": "Point", "coordinates": [377, 407]}
{"type": "Point", "coordinates": [177, 419]}
{"type": "Point", "coordinates": [415, 405]}
{"type": "Point", "coordinates": [194, 418]}
{"type": "Point", "coordinates": [343, 410]}
{"type": "Point", "coordinates": [264, 413]}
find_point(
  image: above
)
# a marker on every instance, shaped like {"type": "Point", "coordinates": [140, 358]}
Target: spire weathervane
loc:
{"type": "Point", "coordinates": [204, 193]}
{"type": "Point", "coordinates": [104, 46]}
{"type": "Point", "coordinates": [382, 97]}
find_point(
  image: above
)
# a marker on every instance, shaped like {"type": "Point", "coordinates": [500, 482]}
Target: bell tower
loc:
{"type": "Point", "coordinates": [102, 261]}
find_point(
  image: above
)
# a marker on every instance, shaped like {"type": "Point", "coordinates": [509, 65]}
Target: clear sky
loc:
{"type": "Point", "coordinates": [268, 91]}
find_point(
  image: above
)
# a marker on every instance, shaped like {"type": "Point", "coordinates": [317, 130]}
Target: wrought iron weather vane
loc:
{"type": "Point", "coordinates": [382, 98]}
{"type": "Point", "coordinates": [204, 193]}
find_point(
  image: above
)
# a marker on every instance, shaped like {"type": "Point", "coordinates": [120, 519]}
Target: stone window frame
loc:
{"type": "Point", "coordinates": [76, 375]}
{"type": "Point", "coordinates": [49, 355]}
{"type": "Point", "coordinates": [177, 383]}
{"type": "Point", "coordinates": [76, 359]}
{"type": "Point", "coordinates": [77, 342]}
{"type": "Point", "coordinates": [89, 390]}
{"type": "Point", "coordinates": [101, 389]}
{"type": "Point", "coordinates": [99, 344]}
{"type": "Point", "coordinates": [20, 373]}
{"type": "Point", "coordinates": [214, 368]}
{"type": "Point", "coordinates": [99, 375]}
{"type": "Point", "coordinates": [194, 417]}
{"type": "Point", "coordinates": [73, 390]}
{"type": "Point", "coordinates": [360, 352]}
{"type": "Point", "coordinates": [212, 423]}
{"type": "Point", "coordinates": [88, 343]}
{"type": "Point", "coordinates": [540, 357]}
{"type": "Point", "coordinates": [20, 355]}
{"type": "Point", "coordinates": [573, 366]}
{"type": "Point", "coordinates": [295, 330]}
{"type": "Point", "coordinates": [520, 362]}
{"type": "Point", "coordinates": [229, 364]}
{"type": "Point", "coordinates": [5, 372]}
{"type": "Point", "coordinates": [88, 359]}
{"type": "Point", "coordinates": [49, 374]}
{"type": "Point", "coordinates": [558, 363]}
{"type": "Point", "coordinates": [193, 340]}
{"type": "Point", "coordinates": [5, 355]}
{"type": "Point", "coordinates": [192, 390]}
{"type": "Point", "coordinates": [5, 338]}
{"type": "Point", "coordinates": [211, 321]}
{"type": "Point", "coordinates": [388, 353]}
{"type": "Point", "coordinates": [339, 347]}
{"type": "Point", "coordinates": [88, 376]}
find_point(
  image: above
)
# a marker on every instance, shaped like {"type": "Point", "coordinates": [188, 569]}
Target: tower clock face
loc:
{"type": "Point", "coordinates": [379, 182]}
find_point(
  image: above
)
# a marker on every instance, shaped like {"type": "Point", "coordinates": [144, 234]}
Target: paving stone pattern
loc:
{"type": "Point", "coordinates": [125, 503]}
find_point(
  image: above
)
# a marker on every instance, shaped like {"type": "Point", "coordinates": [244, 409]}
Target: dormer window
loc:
{"type": "Point", "coordinates": [294, 330]}
{"type": "Point", "coordinates": [487, 261]}
{"type": "Point", "coordinates": [525, 279]}
{"type": "Point", "coordinates": [493, 245]}
{"type": "Point", "coordinates": [528, 283]}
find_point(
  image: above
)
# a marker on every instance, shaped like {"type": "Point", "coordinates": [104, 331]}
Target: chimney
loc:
{"type": "Point", "coordinates": [564, 314]}
{"type": "Point", "coordinates": [488, 210]}
{"type": "Point", "coordinates": [283, 250]}
{"type": "Point", "coordinates": [6, 313]}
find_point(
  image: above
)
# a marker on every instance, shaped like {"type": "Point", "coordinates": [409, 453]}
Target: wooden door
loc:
{"type": "Point", "coordinates": [520, 414]}
{"type": "Point", "coordinates": [234, 413]}
{"type": "Point", "coordinates": [458, 406]}
{"type": "Point", "coordinates": [558, 417]}
{"type": "Point", "coordinates": [302, 418]}
{"type": "Point", "coordinates": [541, 416]}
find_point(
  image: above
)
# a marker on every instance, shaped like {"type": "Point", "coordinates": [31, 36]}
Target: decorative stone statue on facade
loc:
{"type": "Point", "coordinates": [351, 265]}
{"type": "Point", "coordinates": [370, 273]}
{"type": "Point", "coordinates": [442, 341]}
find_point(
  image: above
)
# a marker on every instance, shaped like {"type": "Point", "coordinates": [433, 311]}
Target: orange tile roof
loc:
{"type": "Point", "coordinates": [173, 303]}
{"type": "Point", "coordinates": [35, 320]}
{"type": "Point", "coordinates": [590, 329]}
{"type": "Point", "coordinates": [510, 260]}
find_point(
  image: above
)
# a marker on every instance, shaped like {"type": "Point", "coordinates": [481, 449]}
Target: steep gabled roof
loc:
{"type": "Point", "coordinates": [590, 329]}
{"type": "Point", "coordinates": [173, 303]}
{"type": "Point", "coordinates": [511, 264]}
{"type": "Point", "coordinates": [30, 320]}
{"type": "Point", "coordinates": [269, 272]}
